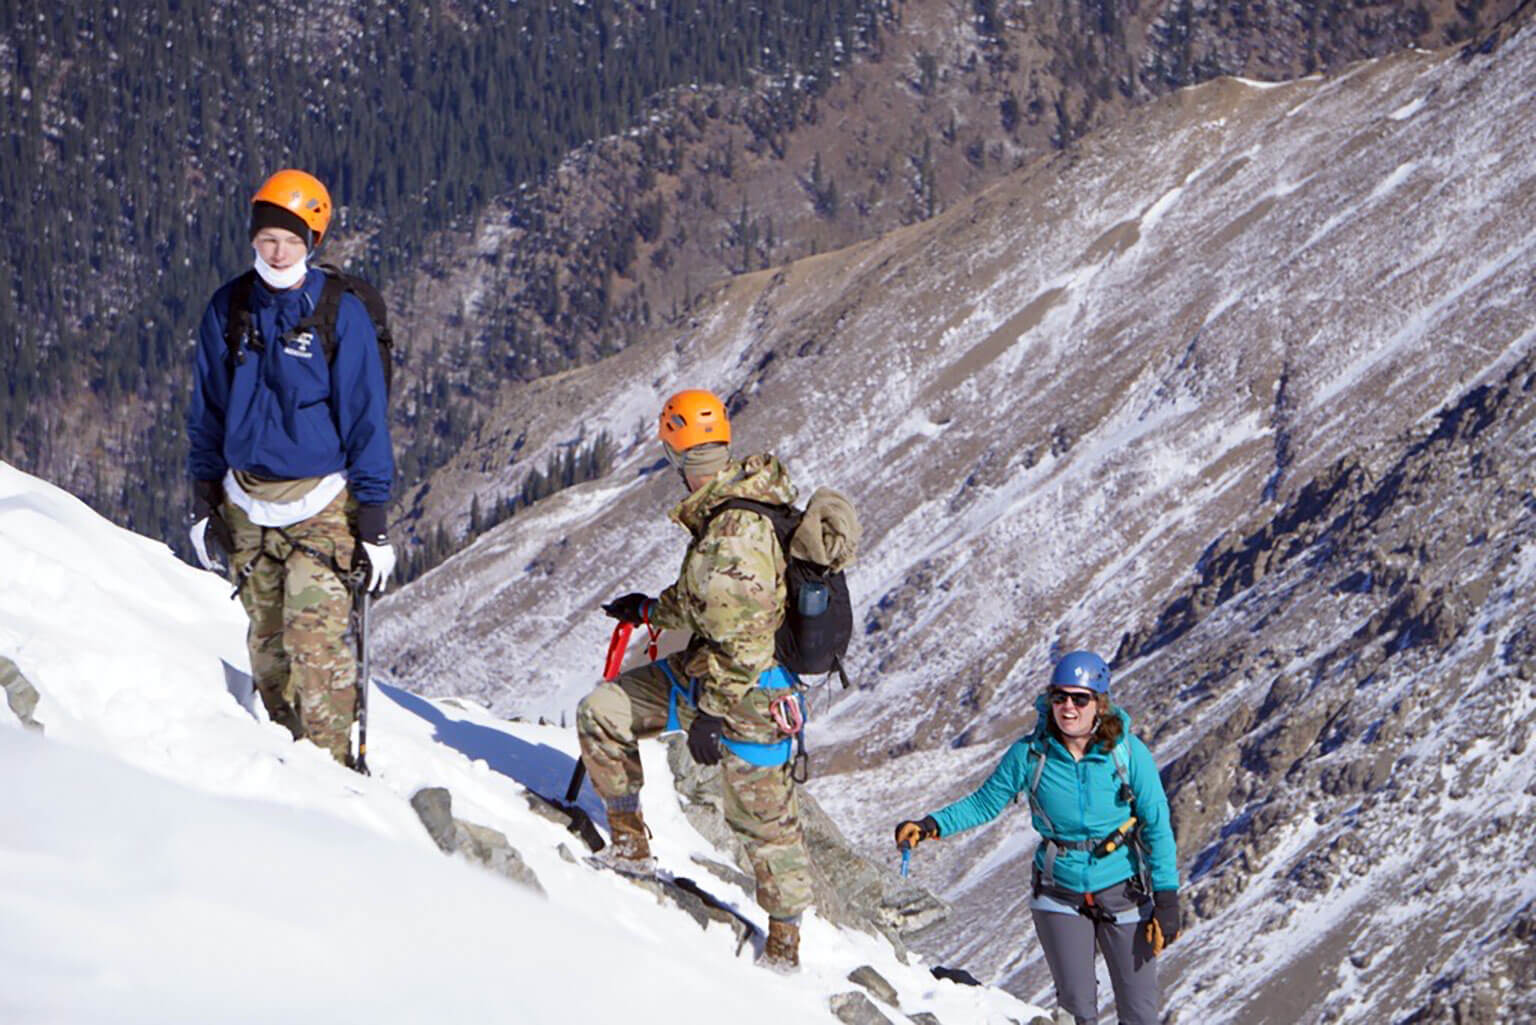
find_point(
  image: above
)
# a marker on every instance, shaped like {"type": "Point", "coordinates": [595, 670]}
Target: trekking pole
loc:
{"type": "Point", "coordinates": [362, 599]}
{"type": "Point", "coordinates": [906, 861]}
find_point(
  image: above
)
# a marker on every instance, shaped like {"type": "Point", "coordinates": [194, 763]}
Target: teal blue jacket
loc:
{"type": "Point", "coordinates": [1082, 800]}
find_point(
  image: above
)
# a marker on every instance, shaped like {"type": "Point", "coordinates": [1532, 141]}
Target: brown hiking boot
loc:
{"type": "Point", "coordinates": [781, 952]}
{"type": "Point", "coordinates": [629, 846]}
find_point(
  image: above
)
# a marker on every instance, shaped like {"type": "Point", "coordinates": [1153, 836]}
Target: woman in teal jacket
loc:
{"type": "Point", "coordinates": [1106, 870]}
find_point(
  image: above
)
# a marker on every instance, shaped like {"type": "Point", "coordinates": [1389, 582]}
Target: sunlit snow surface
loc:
{"type": "Point", "coordinates": [166, 855]}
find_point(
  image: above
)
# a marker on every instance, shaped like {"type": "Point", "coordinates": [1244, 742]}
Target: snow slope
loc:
{"type": "Point", "coordinates": [168, 855]}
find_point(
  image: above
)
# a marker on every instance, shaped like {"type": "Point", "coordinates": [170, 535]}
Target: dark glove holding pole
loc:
{"type": "Point", "coordinates": [211, 537]}
{"type": "Point", "coordinates": [704, 738]}
{"type": "Point", "coordinates": [909, 833]}
{"type": "Point", "coordinates": [632, 608]}
{"type": "Point", "coordinates": [1164, 927]}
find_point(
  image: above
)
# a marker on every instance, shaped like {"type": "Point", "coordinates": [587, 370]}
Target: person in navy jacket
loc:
{"type": "Point", "coordinates": [291, 463]}
{"type": "Point", "coordinates": [1106, 870]}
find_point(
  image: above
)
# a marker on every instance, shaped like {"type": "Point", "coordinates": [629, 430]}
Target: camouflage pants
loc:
{"type": "Point", "coordinates": [301, 661]}
{"type": "Point", "coordinates": [762, 804]}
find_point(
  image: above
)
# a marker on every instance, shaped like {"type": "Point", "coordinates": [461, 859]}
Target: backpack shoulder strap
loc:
{"type": "Point", "coordinates": [323, 320]}
{"type": "Point", "coordinates": [237, 319]}
{"type": "Point", "coordinates": [1037, 769]}
{"type": "Point", "coordinates": [785, 518]}
{"type": "Point", "coordinates": [1120, 754]}
{"type": "Point", "coordinates": [338, 282]}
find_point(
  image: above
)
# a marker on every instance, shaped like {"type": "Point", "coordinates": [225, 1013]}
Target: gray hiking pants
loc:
{"type": "Point", "coordinates": [1068, 941]}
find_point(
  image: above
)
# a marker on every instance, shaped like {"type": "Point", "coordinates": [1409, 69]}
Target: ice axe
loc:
{"type": "Point", "coordinates": [617, 644]}
{"type": "Point", "coordinates": [581, 823]}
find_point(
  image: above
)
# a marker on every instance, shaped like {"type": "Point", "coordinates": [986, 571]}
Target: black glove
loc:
{"type": "Point", "coordinates": [704, 738]}
{"type": "Point", "coordinates": [632, 608]}
{"type": "Point", "coordinates": [1164, 927]}
{"type": "Point", "coordinates": [219, 533]}
{"type": "Point", "coordinates": [373, 524]}
{"type": "Point", "coordinates": [909, 833]}
{"type": "Point", "coordinates": [207, 496]}
{"type": "Point", "coordinates": [207, 504]}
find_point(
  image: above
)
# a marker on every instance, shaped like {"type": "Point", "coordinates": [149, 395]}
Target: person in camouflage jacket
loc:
{"type": "Point", "coordinates": [730, 595]}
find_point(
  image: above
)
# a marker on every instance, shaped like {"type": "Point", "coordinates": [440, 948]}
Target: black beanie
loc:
{"type": "Point", "coordinates": [270, 215]}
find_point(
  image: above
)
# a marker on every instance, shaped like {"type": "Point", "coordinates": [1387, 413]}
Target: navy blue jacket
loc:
{"type": "Point", "coordinates": [285, 413]}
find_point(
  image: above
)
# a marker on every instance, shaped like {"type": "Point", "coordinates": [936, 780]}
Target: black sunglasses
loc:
{"type": "Point", "coordinates": [1077, 697]}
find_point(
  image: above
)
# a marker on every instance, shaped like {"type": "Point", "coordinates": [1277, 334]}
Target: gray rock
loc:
{"type": "Point", "coordinates": [875, 983]}
{"type": "Point", "coordinates": [434, 806]}
{"type": "Point", "coordinates": [480, 844]}
{"type": "Point", "coordinates": [490, 848]}
{"type": "Point", "coordinates": [925, 1018]}
{"type": "Point", "coordinates": [678, 893]}
{"type": "Point", "coordinates": [850, 891]}
{"type": "Point", "coordinates": [19, 694]}
{"type": "Point", "coordinates": [544, 810]}
{"type": "Point", "coordinates": [855, 1008]}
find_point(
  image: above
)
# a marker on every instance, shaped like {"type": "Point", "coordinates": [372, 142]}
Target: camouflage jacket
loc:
{"type": "Point", "coordinates": [730, 593]}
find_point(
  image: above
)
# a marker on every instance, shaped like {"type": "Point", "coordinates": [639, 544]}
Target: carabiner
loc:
{"type": "Point", "coordinates": [788, 714]}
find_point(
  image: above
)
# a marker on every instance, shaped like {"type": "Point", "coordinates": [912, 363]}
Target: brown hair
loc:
{"type": "Point", "coordinates": [1106, 734]}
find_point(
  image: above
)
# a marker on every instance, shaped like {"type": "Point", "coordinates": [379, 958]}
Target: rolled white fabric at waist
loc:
{"type": "Point", "coordinates": [285, 514]}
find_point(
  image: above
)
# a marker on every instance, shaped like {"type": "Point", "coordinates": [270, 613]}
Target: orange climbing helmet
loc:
{"type": "Point", "coordinates": [693, 417]}
{"type": "Point", "coordinates": [295, 193]}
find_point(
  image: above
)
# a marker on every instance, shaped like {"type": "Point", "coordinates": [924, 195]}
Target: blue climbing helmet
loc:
{"type": "Point", "coordinates": [1081, 669]}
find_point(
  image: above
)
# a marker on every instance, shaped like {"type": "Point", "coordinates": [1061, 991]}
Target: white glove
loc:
{"type": "Point", "coordinates": [381, 560]}
{"type": "Point", "coordinates": [199, 533]}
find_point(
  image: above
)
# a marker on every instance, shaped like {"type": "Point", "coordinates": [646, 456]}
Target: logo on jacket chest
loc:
{"type": "Point", "coordinates": [299, 344]}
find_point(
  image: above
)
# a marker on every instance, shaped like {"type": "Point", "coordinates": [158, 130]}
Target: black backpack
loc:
{"type": "Point", "coordinates": [818, 617]}
{"type": "Point", "coordinates": [321, 322]}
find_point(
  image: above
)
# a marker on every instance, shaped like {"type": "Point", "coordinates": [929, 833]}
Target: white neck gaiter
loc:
{"type": "Point", "coordinates": [281, 280]}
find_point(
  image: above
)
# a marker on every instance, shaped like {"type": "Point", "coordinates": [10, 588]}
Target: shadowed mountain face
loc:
{"type": "Point", "coordinates": [1240, 391]}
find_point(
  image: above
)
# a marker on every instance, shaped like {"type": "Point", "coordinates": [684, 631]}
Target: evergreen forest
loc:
{"type": "Point", "coordinates": [135, 133]}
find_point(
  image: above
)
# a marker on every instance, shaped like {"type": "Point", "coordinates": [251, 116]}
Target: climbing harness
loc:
{"type": "Point", "coordinates": [244, 573]}
{"type": "Point", "coordinates": [790, 750]}
{"type": "Point", "coordinates": [1125, 833]}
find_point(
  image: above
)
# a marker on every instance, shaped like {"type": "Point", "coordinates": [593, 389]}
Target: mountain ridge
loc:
{"type": "Point", "coordinates": [1060, 406]}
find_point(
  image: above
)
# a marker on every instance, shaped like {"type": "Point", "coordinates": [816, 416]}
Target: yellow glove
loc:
{"type": "Point", "coordinates": [1155, 937]}
{"type": "Point", "coordinates": [1163, 928]}
{"type": "Point", "coordinates": [909, 833]}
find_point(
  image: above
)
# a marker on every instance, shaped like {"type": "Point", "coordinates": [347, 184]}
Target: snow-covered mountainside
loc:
{"type": "Point", "coordinates": [1239, 392]}
{"type": "Point", "coordinates": [167, 855]}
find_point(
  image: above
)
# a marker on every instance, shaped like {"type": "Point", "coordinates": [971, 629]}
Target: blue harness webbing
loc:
{"type": "Point", "coordinates": [778, 752]}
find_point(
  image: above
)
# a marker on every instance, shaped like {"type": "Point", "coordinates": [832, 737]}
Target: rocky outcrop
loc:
{"type": "Point", "coordinates": [720, 182]}
{"type": "Point", "coordinates": [1368, 591]}
{"type": "Point", "coordinates": [875, 984]}
{"type": "Point", "coordinates": [20, 695]}
{"type": "Point", "coordinates": [479, 844]}
{"type": "Point", "coordinates": [850, 891]}
{"type": "Point", "coordinates": [854, 1008]}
